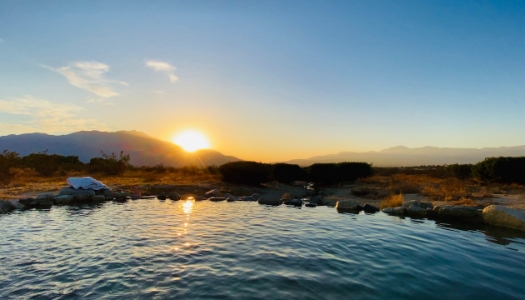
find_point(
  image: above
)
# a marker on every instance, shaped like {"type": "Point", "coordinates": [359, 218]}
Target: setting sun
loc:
{"type": "Point", "coordinates": [191, 140]}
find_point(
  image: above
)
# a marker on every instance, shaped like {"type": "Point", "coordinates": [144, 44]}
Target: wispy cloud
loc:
{"type": "Point", "coordinates": [89, 76]}
{"type": "Point", "coordinates": [44, 116]}
{"type": "Point", "coordinates": [163, 67]}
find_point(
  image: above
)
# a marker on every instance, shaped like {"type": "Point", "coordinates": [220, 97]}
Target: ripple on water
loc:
{"type": "Point", "coordinates": [206, 250]}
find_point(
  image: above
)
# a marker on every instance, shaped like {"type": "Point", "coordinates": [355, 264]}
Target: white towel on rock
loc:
{"type": "Point", "coordinates": [86, 183]}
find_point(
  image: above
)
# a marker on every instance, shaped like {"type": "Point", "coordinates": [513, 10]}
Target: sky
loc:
{"type": "Point", "coordinates": [269, 80]}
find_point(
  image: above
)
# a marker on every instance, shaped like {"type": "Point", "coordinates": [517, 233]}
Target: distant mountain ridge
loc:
{"type": "Point", "coordinates": [143, 149]}
{"type": "Point", "coordinates": [403, 156]}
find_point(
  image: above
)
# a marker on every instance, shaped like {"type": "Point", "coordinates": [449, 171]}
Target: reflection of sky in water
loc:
{"type": "Point", "coordinates": [186, 249]}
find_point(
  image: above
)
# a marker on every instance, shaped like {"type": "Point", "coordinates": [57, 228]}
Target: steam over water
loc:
{"type": "Point", "coordinates": [148, 249]}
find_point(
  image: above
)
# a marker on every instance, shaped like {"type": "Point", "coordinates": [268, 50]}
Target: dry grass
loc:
{"type": "Point", "coordinates": [392, 201]}
{"type": "Point", "coordinates": [29, 181]}
{"type": "Point", "coordinates": [464, 202]}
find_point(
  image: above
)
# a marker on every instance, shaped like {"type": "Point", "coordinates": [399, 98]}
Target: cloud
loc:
{"type": "Point", "coordinates": [163, 67]}
{"type": "Point", "coordinates": [101, 101]}
{"type": "Point", "coordinates": [89, 76]}
{"type": "Point", "coordinates": [45, 116]}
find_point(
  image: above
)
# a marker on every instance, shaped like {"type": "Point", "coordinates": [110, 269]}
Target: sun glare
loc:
{"type": "Point", "coordinates": [191, 140]}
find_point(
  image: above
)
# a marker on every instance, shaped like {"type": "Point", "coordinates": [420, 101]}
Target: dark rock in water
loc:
{"type": "Point", "coordinates": [174, 196]}
{"type": "Point", "coordinates": [416, 210]}
{"type": "Point", "coordinates": [454, 211]}
{"type": "Point", "coordinates": [199, 198]}
{"type": "Point", "coordinates": [269, 201]}
{"type": "Point", "coordinates": [15, 204]}
{"type": "Point", "coordinates": [44, 202]}
{"type": "Point", "coordinates": [317, 200]}
{"type": "Point", "coordinates": [370, 209]}
{"type": "Point", "coordinates": [400, 210]}
{"type": "Point", "coordinates": [217, 199]}
{"type": "Point", "coordinates": [135, 196]}
{"type": "Point", "coordinates": [45, 196]}
{"type": "Point", "coordinates": [98, 198]}
{"type": "Point", "coordinates": [294, 202]}
{"type": "Point", "coordinates": [247, 198]}
{"type": "Point", "coordinates": [5, 207]}
{"type": "Point", "coordinates": [310, 204]}
{"type": "Point", "coordinates": [229, 197]}
{"type": "Point", "coordinates": [120, 197]}
{"type": "Point", "coordinates": [431, 213]}
{"type": "Point", "coordinates": [63, 199]}
{"type": "Point", "coordinates": [212, 193]}
{"type": "Point", "coordinates": [76, 192]}
{"type": "Point", "coordinates": [161, 196]}
{"type": "Point", "coordinates": [256, 196]}
{"type": "Point", "coordinates": [231, 200]}
{"type": "Point", "coordinates": [426, 205]}
{"type": "Point", "coordinates": [504, 216]}
{"type": "Point", "coordinates": [27, 202]}
{"type": "Point", "coordinates": [348, 206]}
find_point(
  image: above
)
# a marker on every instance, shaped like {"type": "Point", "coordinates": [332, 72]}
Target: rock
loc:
{"type": "Point", "coordinates": [107, 193]}
{"type": "Point", "coordinates": [76, 192]}
{"type": "Point", "coordinates": [44, 202]}
{"type": "Point", "coordinates": [294, 202]}
{"type": "Point", "coordinates": [45, 196]}
{"type": "Point", "coordinates": [174, 196]}
{"type": "Point", "coordinates": [98, 198]}
{"type": "Point", "coordinates": [248, 198]}
{"type": "Point", "coordinates": [431, 213]}
{"type": "Point", "coordinates": [505, 217]}
{"type": "Point", "coordinates": [63, 199]}
{"type": "Point", "coordinates": [135, 196]}
{"type": "Point", "coordinates": [455, 211]}
{"type": "Point", "coordinates": [119, 196]}
{"type": "Point", "coordinates": [426, 205]}
{"type": "Point", "coordinates": [256, 196]}
{"type": "Point", "coordinates": [348, 206]}
{"type": "Point", "coordinates": [310, 204]}
{"type": "Point", "coordinates": [217, 199]}
{"type": "Point", "coordinates": [15, 204]}
{"type": "Point", "coordinates": [161, 196]}
{"type": "Point", "coordinates": [416, 210]}
{"type": "Point", "coordinates": [400, 210]}
{"type": "Point", "coordinates": [199, 198]}
{"type": "Point", "coordinates": [408, 203]}
{"type": "Point", "coordinates": [317, 200]}
{"type": "Point", "coordinates": [330, 201]}
{"type": "Point", "coordinates": [231, 200]}
{"type": "Point", "coordinates": [370, 209]}
{"type": "Point", "coordinates": [27, 202]}
{"type": "Point", "coordinates": [212, 193]}
{"type": "Point", "coordinates": [269, 201]}
{"type": "Point", "coordinates": [5, 207]}
{"type": "Point", "coordinates": [230, 197]}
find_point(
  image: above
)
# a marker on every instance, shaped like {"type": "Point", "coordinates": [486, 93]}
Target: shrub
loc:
{"type": "Point", "coordinates": [110, 164]}
{"type": "Point", "coordinates": [460, 171]}
{"type": "Point", "coordinates": [287, 173]}
{"type": "Point", "coordinates": [337, 173]}
{"type": "Point", "coordinates": [8, 160]}
{"type": "Point", "coordinates": [245, 172]}
{"type": "Point", "coordinates": [392, 201]}
{"type": "Point", "coordinates": [501, 169]}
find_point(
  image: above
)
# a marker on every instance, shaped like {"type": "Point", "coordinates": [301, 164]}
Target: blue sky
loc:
{"type": "Point", "coordinates": [269, 80]}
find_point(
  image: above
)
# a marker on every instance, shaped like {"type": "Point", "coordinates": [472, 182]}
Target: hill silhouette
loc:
{"type": "Point", "coordinates": [143, 149]}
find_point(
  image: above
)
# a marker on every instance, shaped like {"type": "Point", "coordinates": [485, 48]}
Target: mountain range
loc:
{"type": "Point", "coordinates": [144, 150]}
{"type": "Point", "coordinates": [403, 156]}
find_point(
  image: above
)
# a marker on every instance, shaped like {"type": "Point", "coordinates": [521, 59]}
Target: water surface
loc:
{"type": "Point", "coordinates": [148, 249]}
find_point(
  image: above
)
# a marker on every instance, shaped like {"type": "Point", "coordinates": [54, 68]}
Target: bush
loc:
{"type": "Point", "coordinates": [8, 160]}
{"type": "Point", "coordinates": [460, 171]}
{"type": "Point", "coordinates": [287, 173]}
{"type": "Point", "coordinates": [110, 164]}
{"type": "Point", "coordinates": [330, 173]}
{"type": "Point", "coordinates": [501, 169]}
{"type": "Point", "coordinates": [245, 172]}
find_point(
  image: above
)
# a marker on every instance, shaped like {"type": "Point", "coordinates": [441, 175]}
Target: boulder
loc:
{"type": "Point", "coordinates": [231, 200]}
{"type": "Point", "coordinates": [317, 200]}
{"type": "Point", "coordinates": [456, 211]}
{"type": "Point", "coordinates": [119, 196]}
{"type": "Point", "coordinates": [269, 201]}
{"type": "Point", "coordinates": [98, 198]}
{"type": "Point", "coordinates": [348, 206]}
{"type": "Point", "coordinates": [408, 203]}
{"type": "Point", "coordinates": [216, 199]}
{"type": "Point", "coordinates": [46, 195]}
{"type": "Point", "coordinates": [426, 205]}
{"type": "Point", "coordinates": [5, 207]}
{"type": "Point", "coordinates": [161, 196]}
{"type": "Point", "coordinates": [15, 204]}
{"type": "Point", "coordinates": [27, 202]}
{"type": "Point", "coordinates": [199, 198]}
{"type": "Point", "coordinates": [63, 199]}
{"type": "Point", "coordinates": [505, 217]}
{"type": "Point", "coordinates": [174, 196]}
{"type": "Point", "coordinates": [310, 204]}
{"type": "Point", "coordinates": [248, 198]}
{"type": "Point", "coordinates": [294, 202]}
{"type": "Point", "coordinates": [44, 202]}
{"type": "Point", "coordinates": [256, 196]}
{"type": "Point", "coordinates": [135, 196]}
{"type": "Point", "coordinates": [370, 209]}
{"type": "Point", "coordinates": [76, 192]}
{"type": "Point", "coordinates": [230, 197]}
{"type": "Point", "coordinates": [212, 193]}
{"type": "Point", "coordinates": [400, 210]}
{"type": "Point", "coordinates": [416, 210]}
{"type": "Point", "coordinates": [107, 193]}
